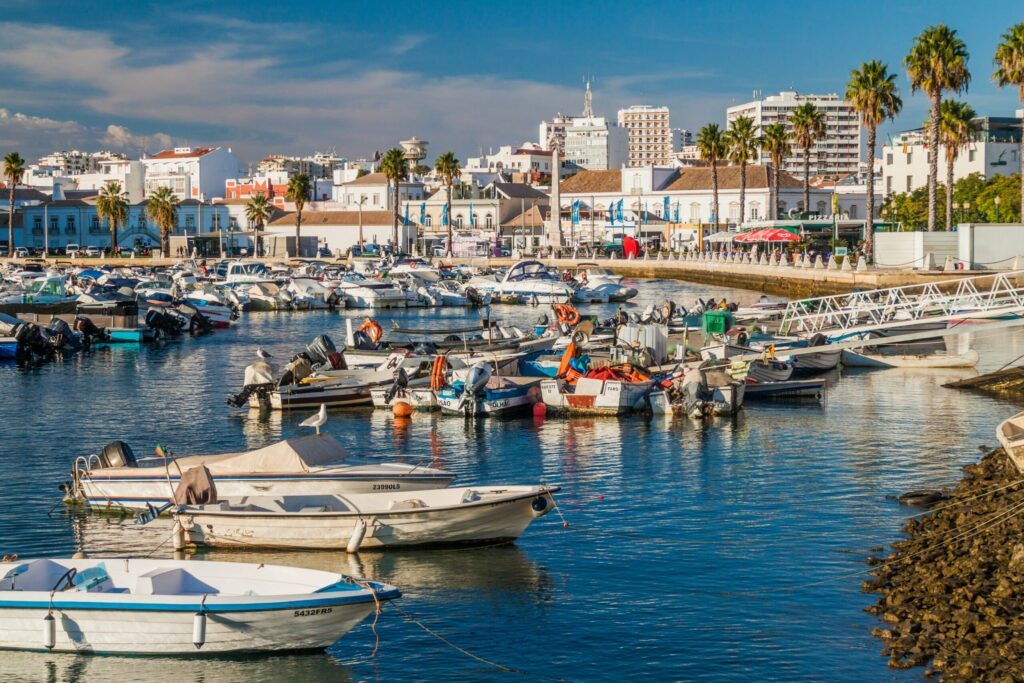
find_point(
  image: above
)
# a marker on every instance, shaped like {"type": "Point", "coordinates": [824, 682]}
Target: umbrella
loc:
{"type": "Point", "coordinates": [768, 235]}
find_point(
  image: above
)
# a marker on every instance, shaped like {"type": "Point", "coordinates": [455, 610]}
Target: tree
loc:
{"type": "Point", "coordinates": [162, 207]}
{"type": "Point", "coordinates": [112, 206]}
{"type": "Point", "coordinates": [1009, 60]}
{"type": "Point", "coordinates": [448, 171]}
{"type": "Point", "coordinates": [395, 168]}
{"type": "Point", "coordinates": [873, 94]}
{"type": "Point", "coordinates": [14, 171]}
{"type": "Point", "coordinates": [775, 141]}
{"type": "Point", "coordinates": [299, 189]}
{"type": "Point", "coordinates": [956, 126]}
{"type": "Point", "coordinates": [808, 127]}
{"type": "Point", "coordinates": [258, 211]}
{"type": "Point", "coordinates": [711, 144]}
{"type": "Point", "coordinates": [937, 62]}
{"type": "Point", "coordinates": [742, 143]}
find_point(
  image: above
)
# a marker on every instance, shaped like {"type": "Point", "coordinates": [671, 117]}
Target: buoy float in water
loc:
{"type": "Point", "coordinates": [401, 409]}
{"type": "Point", "coordinates": [540, 410]}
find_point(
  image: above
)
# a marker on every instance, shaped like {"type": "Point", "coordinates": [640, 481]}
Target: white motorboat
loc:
{"type": "Point", "coordinates": [364, 292]}
{"type": "Point", "coordinates": [763, 369]}
{"type": "Point", "coordinates": [312, 464]}
{"type": "Point", "coordinates": [265, 296]}
{"type": "Point", "coordinates": [858, 359]}
{"type": "Point", "coordinates": [417, 267]}
{"type": "Point", "coordinates": [42, 291]}
{"type": "Point", "coordinates": [311, 294]}
{"type": "Point", "coordinates": [595, 396]}
{"type": "Point", "coordinates": [478, 514]}
{"type": "Point", "coordinates": [177, 607]}
{"type": "Point", "coordinates": [531, 282]}
{"type": "Point", "coordinates": [1010, 433]}
{"type": "Point", "coordinates": [247, 273]}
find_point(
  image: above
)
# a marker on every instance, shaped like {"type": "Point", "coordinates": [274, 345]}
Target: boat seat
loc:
{"type": "Point", "coordinates": [408, 504]}
{"type": "Point", "coordinates": [315, 508]}
{"type": "Point", "coordinates": [161, 581]}
{"type": "Point", "coordinates": [92, 579]}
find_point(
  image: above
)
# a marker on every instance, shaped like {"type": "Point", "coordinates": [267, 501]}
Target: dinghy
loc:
{"type": "Point", "coordinates": [177, 607]}
{"type": "Point", "coordinates": [1010, 433]}
{"type": "Point", "coordinates": [856, 359]}
{"type": "Point", "coordinates": [478, 514]}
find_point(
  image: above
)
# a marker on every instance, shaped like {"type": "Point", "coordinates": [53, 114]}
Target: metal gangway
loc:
{"type": "Point", "coordinates": [844, 315]}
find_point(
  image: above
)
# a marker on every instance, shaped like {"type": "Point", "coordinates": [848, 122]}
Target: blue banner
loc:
{"type": "Point", "coordinates": [444, 215]}
{"type": "Point", "coordinates": [423, 213]}
{"type": "Point", "coordinates": [645, 213]}
{"type": "Point", "coordinates": [576, 212]}
{"type": "Point", "coordinates": [472, 220]}
{"type": "Point", "coordinates": [406, 214]}
{"type": "Point", "coordinates": [676, 219]}
{"type": "Point", "coordinates": [611, 212]}
{"type": "Point", "coordinates": [665, 209]}
{"type": "Point", "coordinates": [618, 212]}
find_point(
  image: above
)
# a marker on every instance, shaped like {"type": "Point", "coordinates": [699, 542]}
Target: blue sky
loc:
{"type": "Point", "coordinates": [293, 78]}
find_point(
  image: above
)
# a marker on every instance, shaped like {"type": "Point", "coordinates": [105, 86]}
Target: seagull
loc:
{"type": "Point", "coordinates": [317, 420]}
{"type": "Point", "coordinates": [263, 354]}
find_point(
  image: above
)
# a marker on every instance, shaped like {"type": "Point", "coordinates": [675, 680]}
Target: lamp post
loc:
{"type": "Point", "coordinates": [956, 212]}
{"type": "Point", "coordinates": [361, 200]}
{"type": "Point", "coordinates": [998, 200]}
{"type": "Point", "coordinates": [967, 210]}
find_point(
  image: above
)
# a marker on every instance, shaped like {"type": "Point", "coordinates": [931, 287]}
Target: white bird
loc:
{"type": "Point", "coordinates": [263, 354]}
{"type": "Point", "coordinates": [317, 420]}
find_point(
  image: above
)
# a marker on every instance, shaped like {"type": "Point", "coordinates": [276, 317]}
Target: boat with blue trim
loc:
{"type": "Point", "coordinates": [177, 607]}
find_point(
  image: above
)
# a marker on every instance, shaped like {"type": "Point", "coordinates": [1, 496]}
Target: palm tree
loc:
{"type": "Point", "coordinates": [956, 125]}
{"type": "Point", "coordinates": [808, 127]}
{"type": "Point", "coordinates": [448, 170]}
{"type": "Point", "coordinates": [112, 206]}
{"type": "Point", "coordinates": [299, 189]}
{"type": "Point", "coordinates": [258, 212]}
{"type": "Point", "coordinates": [742, 143]}
{"type": "Point", "coordinates": [395, 168]}
{"type": "Point", "coordinates": [711, 144]}
{"type": "Point", "coordinates": [1009, 61]}
{"type": "Point", "coordinates": [162, 207]}
{"type": "Point", "coordinates": [775, 141]}
{"type": "Point", "coordinates": [873, 94]}
{"type": "Point", "coordinates": [937, 62]}
{"type": "Point", "coordinates": [14, 171]}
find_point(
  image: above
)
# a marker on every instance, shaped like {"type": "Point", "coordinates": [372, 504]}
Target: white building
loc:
{"type": "Point", "coordinates": [67, 171]}
{"type": "Point", "coordinates": [594, 142]}
{"type": "Point", "coordinates": [374, 193]}
{"type": "Point", "coordinates": [837, 152]}
{"type": "Point", "coordinates": [528, 159]}
{"type": "Point", "coordinates": [993, 151]}
{"type": "Point", "coordinates": [551, 134]}
{"type": "Point", "coordinates": [338, 231]}
{"type": "Point", "coordinates": [650, 138]}
{"type": "Point", "coordinates": [191, 172]}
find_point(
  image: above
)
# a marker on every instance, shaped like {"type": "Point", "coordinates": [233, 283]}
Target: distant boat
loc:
{"type": "Point", "coordinates": [855, 359]}
{"type": "Point", "coordinates": [177, 607]}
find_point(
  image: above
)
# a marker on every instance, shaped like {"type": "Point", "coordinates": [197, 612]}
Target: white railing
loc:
{"type": "Point", "coordinates": [980, 297]}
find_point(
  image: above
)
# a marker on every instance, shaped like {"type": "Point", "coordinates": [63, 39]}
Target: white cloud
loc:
{"type": "Point", "coordinates": [407, 43]}
{"type": "Point", "coordinates": [120, 138]}
{"type": "Point", "coordinates": [25, 122]}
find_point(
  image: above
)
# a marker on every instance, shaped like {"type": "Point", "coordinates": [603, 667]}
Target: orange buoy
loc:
{"type": "Point", "coordinates": [401, 408]}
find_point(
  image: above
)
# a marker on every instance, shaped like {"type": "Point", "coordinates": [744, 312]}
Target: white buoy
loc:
{"type": "Point", "coordinates": [199, 629]}
{"type": "Point", "coordinates": [358, 533]}
{"type": "Point", "coordinates": [49, 631]}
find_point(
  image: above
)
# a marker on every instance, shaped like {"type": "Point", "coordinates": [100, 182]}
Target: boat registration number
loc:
{"type": "Point", "coordinates": [387, 487]}
{"type": "Point", "coordinates": [313, 612]}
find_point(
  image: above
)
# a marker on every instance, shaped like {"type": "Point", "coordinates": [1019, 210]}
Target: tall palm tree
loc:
{"type": "Point", "coordinates": [742, 143]}
{"type": "Point", "coordinates": [956, 126]}
{"type": "Point", "coordinates": [448, 170]}
{"type": "Point", "coordinates": [299, 189]}
{"type": "Point", "coordinates": [808, 124]}
{"type": "Point", "coordinates": [112, 206]}
{"type": "Point", "coordinates": [258, 212]}
{"type": "Point", "coordinates": [937, 62]}
{"type": "Point", "coordinates": [14, 171]}
{"type": "Point", "coordinates": [1009, 61]}
{"type": "Point", "coordinates": [162, 207]}
{"type": "Point", "coordinates": [775, 141]}
{"type": "Point", "coordinates": [395, 168]}
{"type": "Point", "coordinates": [711, 144]}
{"type": "Point", "coordinates": [873, 94]}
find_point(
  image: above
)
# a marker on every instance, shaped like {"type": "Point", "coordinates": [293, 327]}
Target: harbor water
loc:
{"type": "Point", "coordinates": [717, 551]}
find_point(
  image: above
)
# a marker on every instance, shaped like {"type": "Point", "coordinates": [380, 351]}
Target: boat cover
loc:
{"type": "Point", "coordinates": [290, 455]}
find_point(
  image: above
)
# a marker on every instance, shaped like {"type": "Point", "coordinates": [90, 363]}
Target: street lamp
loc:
{"type": "Point", "coordinates": [361, 200]}
{"type": "Point", "coordinates": [956, 210]}
{"type": "Point", "coordinates": [998, 200]}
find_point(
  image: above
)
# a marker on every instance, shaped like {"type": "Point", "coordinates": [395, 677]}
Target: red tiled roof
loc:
{"type": "Point", "coordinates": [192, 153]}
{"type": "Point", "coordinates": [336, 218]}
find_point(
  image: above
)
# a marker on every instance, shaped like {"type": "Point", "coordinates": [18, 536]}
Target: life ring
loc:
{"type": "Point", "coordinates": [373, 330]}
{"type": "Point", "coordinates": [437, 373]}
{"type": "Point", "coordinates": [567, 314]}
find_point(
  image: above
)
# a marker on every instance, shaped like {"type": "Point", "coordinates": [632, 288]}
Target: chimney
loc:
{"type": "Point", "coordinates": [58, 192]}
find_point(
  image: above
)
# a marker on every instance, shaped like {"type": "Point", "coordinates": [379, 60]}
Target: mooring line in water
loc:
{"type": "Point", "coordinates": [500, 667]}
{"type": "Point", "coordinates": [958, 501]}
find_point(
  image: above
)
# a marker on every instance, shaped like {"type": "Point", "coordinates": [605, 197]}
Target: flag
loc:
{"type": "Point", "coordinates": [618, 212]}
{"type": "Point", "coordinates": [444, 215]}
{"type": "Point", "coordinates": [645, 213]}
{"type": "Point", "coordinates": [665, 209]}
{"type": "Point", "coordinates": [611, 212]}
{"type": "Point", "coordinates": [676, 219]}
{"type": "Point", "coordinates": [423, 213]}
{"type": "Point", "coordinates": [576, 212]}
{"type": "Point", "coordinates": [472, 221]}
{"type": "Point", "coordinates": [406, 220]}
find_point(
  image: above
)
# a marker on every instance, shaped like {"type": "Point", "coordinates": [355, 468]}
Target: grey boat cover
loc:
{"type": "Point", "coordinates": [196, 488]}
{"type": "Point", "coordinates": [288, 456]}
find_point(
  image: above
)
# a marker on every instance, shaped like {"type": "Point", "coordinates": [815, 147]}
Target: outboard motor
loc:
{"type": "Point", "coordinates": [89, 331]}
{"type": "Point", "coordinates": [117, 454]}
{"type": "Point", "coordinates": [61, 336]}
{"type": "Point", "coordinates": [476, 380]}
{"type": "Point", "coordinates": [259, 380]}
{"type": "Point", "coordinates": [198, 323]}
{"type": "Point", "coordinates": [333, 299]}
{"type": "Point", "coordinates": [425, 348]}
{"type": "Point", "coordinates": [474, 296]}
{"type": "Point", "coordinates": [321, 350]}
{"type": "Point", "coordinates": [163, 322]}
{"type": "Point", "coordinates": [362, 341]}
{"type": "Point", "coordinates": [299, 369]}
{"type": "Point", "coordinates": [817, 340]}
{"type": "Point", "coordinates": [400, 384]}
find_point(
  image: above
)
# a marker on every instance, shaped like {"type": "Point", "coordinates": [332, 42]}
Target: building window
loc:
{"type": "Point", "coordinates": [94, 224]}
{"type": "Point", "coordinates": [458, 221]}
{"type": "Point", "coordinates": [910, 183]}
{"type": "Point", "coordinates": [37, 225]}
{"type": "Point", "coordinates": [216, 220]}
{"type": "Point", "coordinates": [141, 222]}
{"type": "Point", "coordinates": [489, 221]}
{"type": "Point", "coordinates": [970, 155]}
{"type": "Point", "coordinates": [190, 222]}
{"type": "Point", "coordinates": [782, 208]}
{"type": "Point", "coordinates": [734, 211]}
{"type": "Point", "coordinates": [853, 210]}
{"type": "Point", "coordinates": [54, 224]}
{"type": "Point", "coordinates": [69, 225]}
{"type": "Point", "coordinates": [755, 211]}
{"type": "Point", "coordinates": [888, 185]}
{"type": "Point", "coordinates": [888, 159]}
{"type": "Point", "coordinates": [695, 212]}
{"type": "Point", "coordinates": [821, 208]}
{"type": "Point", "coordinates": [910, 157]}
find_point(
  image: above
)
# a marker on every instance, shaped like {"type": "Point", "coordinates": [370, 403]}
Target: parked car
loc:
{"type": "Point", "coordinates": [73, 250]}
{"type": "Point", "coordinates": [92, 251]}
{"type": "Point", "coordinates": [22, 252]}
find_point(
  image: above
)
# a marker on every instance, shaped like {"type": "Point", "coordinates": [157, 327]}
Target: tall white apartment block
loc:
{"type": "Point", "coordinates": [551, 134]}
{"type": "Point", "coordinates": [651, 140]}
{"type": "Point", "coordinates": [838, 152]}
{"type": "Point", "coordinates": [191, 172]}
{"type": "Point", "coordinates": [594, 142]}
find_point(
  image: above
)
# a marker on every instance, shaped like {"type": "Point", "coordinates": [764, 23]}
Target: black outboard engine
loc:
{"type": "Point", "coordinates": [425, 348]}
{"type": "Point", "coordinates": [474, 296]}
{"type": "Point", "coordinates": [400, 383]}
{"type": "Point", "coordinates": [61, 336]}
{"type": "Point", "coordinates": [117, 454]}
{"type": "Point", "coordinates": [89, 331]}
{"type": "Point", "coordinates": [333, 299]}
{"type": "Point", "coordinates": [817, 340]}
{"type": "Point", "coordinates": [165, 322]}
{"type": "Point", "coordinates": [198, 323]}
{"type": "Point", "coordinates": [320, 350]}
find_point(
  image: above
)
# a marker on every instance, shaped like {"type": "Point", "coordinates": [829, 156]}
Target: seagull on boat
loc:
{"type": "Point", "coordinates": [263, 354]}
{"type": "Point", "coordinates": [317, 420]}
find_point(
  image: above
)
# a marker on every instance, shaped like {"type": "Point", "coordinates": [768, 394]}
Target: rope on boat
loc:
{"type": "Point", "coordinates": [376, 613]}
{"type": "Point", "coordinates": [500, 667]}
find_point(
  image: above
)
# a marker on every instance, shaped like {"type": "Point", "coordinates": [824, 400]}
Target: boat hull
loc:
{"type": "Point", "coordinates": [595, 397]}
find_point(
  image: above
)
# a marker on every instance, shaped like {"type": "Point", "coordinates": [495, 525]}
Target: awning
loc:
{"type": "Point", "coordinates": [767, 235]}
{"type": "Point", "coordinates": [720, 237]}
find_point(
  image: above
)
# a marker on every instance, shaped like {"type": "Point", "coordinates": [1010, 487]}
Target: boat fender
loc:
{"type": "Point", "coordinates": [199, 629]}
{"type": "Point", "coordinates": [356, 540]}
{"type": "Point", "coordinates": [49, 631]}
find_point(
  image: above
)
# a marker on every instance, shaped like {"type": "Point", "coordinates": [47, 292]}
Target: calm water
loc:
{"type": "Point", "coordinates": [688, 543]}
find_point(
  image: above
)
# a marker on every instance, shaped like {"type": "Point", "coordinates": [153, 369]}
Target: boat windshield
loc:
{"type": "Point", "coordinates": [249, 269]}
{"type": "Point", "coordinates": [528, 270]}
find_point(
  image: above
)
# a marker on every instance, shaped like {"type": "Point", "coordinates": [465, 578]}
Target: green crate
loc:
{"type": "Point", "coordinates": [717, 322]}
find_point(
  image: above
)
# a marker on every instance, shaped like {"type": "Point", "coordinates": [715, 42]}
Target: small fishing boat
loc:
{"type": "Point", "coordinates": [1010, 433]}
{"type": "Point", "coordinates": [475, 391]}
{"type": "Point", "coordinates": [478, 514]}
{"type": "Point", "coordinates": [591, 396]}
{"type": "Point", "coordinates": [700, 393]}
{"type": "Point", "coordinates": [177, 607]}
{"type": "Point", "coordinates": [857, 359]}
{"type": "Point", "coordinates": [794, 388]}
{"type": "Point", "coordinates": [315, 464]}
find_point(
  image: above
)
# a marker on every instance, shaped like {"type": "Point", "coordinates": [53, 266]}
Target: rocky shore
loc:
{"type": "Point", "coordinates": [952, 592]}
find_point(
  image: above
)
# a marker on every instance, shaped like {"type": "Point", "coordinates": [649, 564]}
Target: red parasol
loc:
{"type": "Point", "coordinates": [767, 235]}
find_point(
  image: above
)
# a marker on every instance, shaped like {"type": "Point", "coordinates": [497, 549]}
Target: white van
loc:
{"type": "Point", "coordinates": [73, 250]}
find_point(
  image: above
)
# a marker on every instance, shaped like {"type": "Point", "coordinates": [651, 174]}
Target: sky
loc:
{"type": "Point", "coordinates": [355, 77]}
